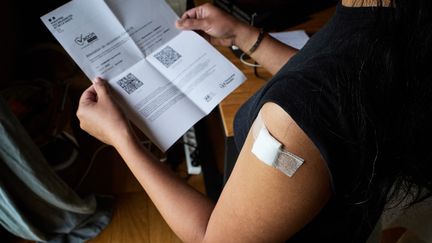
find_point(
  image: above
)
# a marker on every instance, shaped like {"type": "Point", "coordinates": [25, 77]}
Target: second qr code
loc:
{"type": "Point", "coordinates": [167, 56]}
{"type": "Point", "coordinates": [130, 83]}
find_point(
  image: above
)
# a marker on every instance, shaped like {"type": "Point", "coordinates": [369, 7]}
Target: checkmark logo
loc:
{"type": "Point", "coordinates": [79, 40]}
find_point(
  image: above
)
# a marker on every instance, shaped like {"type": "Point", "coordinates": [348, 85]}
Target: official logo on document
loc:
{"type": "Point", "coordinates": [86, 39]}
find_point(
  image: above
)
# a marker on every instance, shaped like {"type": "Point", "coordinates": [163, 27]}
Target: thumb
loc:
{"type": "Point", "coordinates": [101, 87]}
{"type": "Point", "coordinates": [192, 24]}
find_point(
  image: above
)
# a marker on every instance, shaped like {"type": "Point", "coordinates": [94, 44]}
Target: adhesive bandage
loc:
{"type": "Point", "coordinates": [270, 151]}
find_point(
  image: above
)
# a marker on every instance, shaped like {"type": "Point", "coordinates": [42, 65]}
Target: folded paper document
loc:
{"type": "Point", "coordinates": [165, 79]}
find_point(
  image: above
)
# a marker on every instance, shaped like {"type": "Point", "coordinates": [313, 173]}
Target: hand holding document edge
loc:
{"type": "Point", "coordinates": [169, 89]}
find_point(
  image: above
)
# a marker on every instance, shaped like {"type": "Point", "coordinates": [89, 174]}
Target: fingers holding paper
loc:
{"type": "Point", "coordinates": [221, 27]}
{"type": "Point", "coordinates": [100, 116]}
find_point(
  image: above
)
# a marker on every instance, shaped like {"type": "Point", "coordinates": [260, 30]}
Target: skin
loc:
{"type": "Point", "coordinates": [258, 203]}
{"type": "Point", "coordinates": [223, 29]}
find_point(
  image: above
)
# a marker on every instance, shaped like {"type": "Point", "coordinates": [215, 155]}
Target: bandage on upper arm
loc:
{"type": "Point", "coordinates": [272, 152]}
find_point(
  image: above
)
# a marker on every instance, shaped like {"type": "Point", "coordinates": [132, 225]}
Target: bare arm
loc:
{"type": "Point", "coordinates": [258, 204]}
{"type": "Point", "coordinates": [261, 204]}
{"type": "Point", "coordinates": [223, 29]}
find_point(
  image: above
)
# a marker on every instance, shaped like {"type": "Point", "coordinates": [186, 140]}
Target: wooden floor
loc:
{"type": "Point", "coordinates": [136, 219]}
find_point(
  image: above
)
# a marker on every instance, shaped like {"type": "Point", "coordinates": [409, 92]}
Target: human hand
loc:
{"type": "Point", "coordinates": [100, 116]}
{"type": "Point", "coordinates": [222, 28]}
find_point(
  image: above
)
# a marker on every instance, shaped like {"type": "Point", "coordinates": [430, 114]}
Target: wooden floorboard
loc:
{"type": "Point", "coordinates": [136, 219]}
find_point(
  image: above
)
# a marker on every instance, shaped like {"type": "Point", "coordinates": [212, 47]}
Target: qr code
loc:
{"type": "Point", "coordinates": [130, 83]}
{"type": "Point", "coordinates": [167, 56]}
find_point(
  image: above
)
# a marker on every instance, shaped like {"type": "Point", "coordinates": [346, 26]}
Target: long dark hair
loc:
{"type": "Point", "coordinates": [393, 104]}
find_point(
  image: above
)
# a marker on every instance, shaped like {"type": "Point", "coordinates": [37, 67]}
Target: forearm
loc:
{"type": "Point", "coordinates": [185, 210]}
{"type": "Point", "coordinates": [271, 53]}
